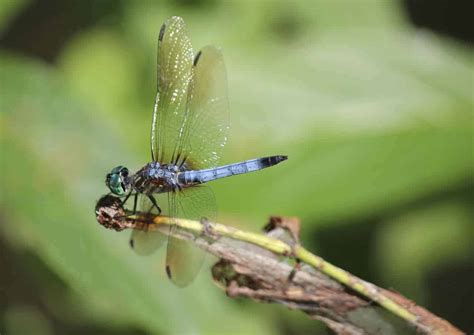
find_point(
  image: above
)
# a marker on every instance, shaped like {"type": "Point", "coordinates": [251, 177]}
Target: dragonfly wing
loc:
{"type": "Point", "coordinates": [184, 259]}
{"type": "Point", "coordinates": [205, 128]}
{"type": "Point", "coordinates": [146, 242]}
{"type": "Point", "coordinates": [174, 71]}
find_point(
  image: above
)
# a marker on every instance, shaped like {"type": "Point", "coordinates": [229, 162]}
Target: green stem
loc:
{"type": "Point", "coordinates": [364, 288]}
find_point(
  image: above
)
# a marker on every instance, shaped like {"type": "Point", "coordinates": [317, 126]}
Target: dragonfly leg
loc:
{"type": "Point", "coordinates": [153, 201]}
{"type": "Point", "coordinates": [122, 205]}
{"type": "Point", "coordinates": [135, 203]}
{"type": "Point", "coordinates": [126, 198]}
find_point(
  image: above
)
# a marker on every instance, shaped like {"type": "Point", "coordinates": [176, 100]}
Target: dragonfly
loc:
{"type": "Point", "coordinates": [188, 132]}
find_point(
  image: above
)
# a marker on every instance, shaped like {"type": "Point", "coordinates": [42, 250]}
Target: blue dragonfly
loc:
{"type": "Point", "coordinates": [188, 131]}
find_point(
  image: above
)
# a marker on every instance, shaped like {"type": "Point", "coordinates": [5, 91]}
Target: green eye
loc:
{"type": "Point", "coordinates": [115, 180]}
{"type": "Point", "coordinates": [119, 170]}
{"type": "Point", "coordinates": [115, 185]}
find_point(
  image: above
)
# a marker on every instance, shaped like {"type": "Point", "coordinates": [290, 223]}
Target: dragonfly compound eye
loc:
{"type": "Point", "coordinates": [115, 181]}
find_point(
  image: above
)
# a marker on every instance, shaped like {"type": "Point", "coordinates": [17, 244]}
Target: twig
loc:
{"type": "Point", "coordinates": [250, 268]}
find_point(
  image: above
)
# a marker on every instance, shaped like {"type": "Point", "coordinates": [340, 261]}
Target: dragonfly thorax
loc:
{"type": "Point", "coordinates": [156, 178]}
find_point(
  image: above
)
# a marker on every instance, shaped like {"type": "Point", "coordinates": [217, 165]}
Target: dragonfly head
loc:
{"type": "Point", "coordinates": [117, 181]}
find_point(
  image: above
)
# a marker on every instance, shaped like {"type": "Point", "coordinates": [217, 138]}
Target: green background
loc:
{"type": "Point", "coordinates": [375, 115]}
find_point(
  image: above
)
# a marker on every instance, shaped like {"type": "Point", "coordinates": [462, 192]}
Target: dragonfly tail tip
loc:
{"type": "Point", "coordinates": [280, 158]}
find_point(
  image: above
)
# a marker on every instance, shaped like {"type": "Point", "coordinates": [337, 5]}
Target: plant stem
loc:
{"type": "Point", "coordinates": [310, 292]}
{"type": "Point", "coordinates": [362, 287]}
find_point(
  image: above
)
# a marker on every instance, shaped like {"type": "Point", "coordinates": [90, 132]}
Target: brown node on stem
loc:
{"type": "Point", "coordinates": [291, 225]}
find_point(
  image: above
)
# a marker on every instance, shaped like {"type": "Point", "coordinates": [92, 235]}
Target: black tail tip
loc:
{"type": "Point", "coordinates": [279, 158]}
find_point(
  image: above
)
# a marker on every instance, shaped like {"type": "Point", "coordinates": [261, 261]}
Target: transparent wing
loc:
{"type": "Point", "coordinates": [207, 119]}
{"type": "Point", "coordinates": [147, 242]}
{"type": "Point", "coordinates": [184, 259]}
{"type": "Point", "coordinates": [174, 65]}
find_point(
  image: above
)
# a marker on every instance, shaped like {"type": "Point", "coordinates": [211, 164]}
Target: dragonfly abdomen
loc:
{"type": "Point", "coordinates": [204, 176]}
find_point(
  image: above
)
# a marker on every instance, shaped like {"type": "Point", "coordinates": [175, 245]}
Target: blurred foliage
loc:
{"type": "Point", "coordinates": [375, 116]}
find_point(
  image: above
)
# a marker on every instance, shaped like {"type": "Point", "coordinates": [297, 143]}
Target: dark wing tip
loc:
{"type": "Point", "coordinates": [196, 59]}
{"type": "Point", "coordinates": [168, 271]}
{"type": "Point", "coordinates": [132, 244]}
{"type": "Point", "coordinates": [162, 32]}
